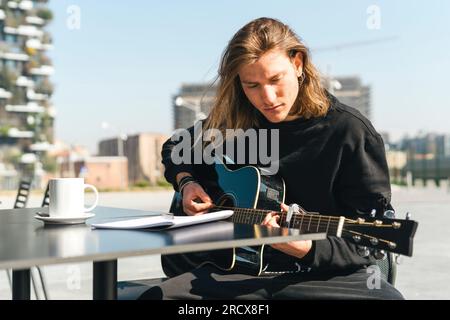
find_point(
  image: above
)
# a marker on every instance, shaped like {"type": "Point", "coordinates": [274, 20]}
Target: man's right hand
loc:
{"type": "Point", "coordinates": [193, 192]}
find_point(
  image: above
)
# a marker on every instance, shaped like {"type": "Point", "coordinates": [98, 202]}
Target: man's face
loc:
{"type": "Point", "coordinates": [271, 84]}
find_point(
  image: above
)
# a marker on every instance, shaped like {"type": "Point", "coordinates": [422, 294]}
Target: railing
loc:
{"type": "Point", "coordinates": [11, 182]}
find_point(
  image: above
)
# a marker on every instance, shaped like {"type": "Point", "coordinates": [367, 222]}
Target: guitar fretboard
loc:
{"type": "Point", "coordinates": [305, 222]}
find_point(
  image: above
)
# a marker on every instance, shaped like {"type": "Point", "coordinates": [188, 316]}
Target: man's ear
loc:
{"type": "Point", "coordinates": [297, 60]}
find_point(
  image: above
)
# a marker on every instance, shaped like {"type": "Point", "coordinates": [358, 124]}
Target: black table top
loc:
{"type": "Point", "coordinates": [26, 241]}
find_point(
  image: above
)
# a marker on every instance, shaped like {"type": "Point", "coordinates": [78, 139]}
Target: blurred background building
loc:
{"type": "Point", "coordinates": [428, 156]}
{"type": "Point", "coordinates": [143, 152]}
{"type": "Point", "coordinates": [26, 111]}
{"type": "Point", "coordinates": [27, 116]}
{"type": "Point", "coordinates": [106, 173]}
{"type": "Point", "coordinates": [351, 91]}
{"type": "Point", "coordinates": [424, 156]}
{"type": "Point", "coordinates": [192, 102]}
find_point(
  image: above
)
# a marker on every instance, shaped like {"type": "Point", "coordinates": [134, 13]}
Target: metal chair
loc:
{"type": "Point", "coordinates": [388, 261]}
{"type": "Point", "coordinates": [22, 194]}
{"type": "Point", "coordinates": [46, 200]}
{"type": "Point", "coordinates": [388, 268]}
{"type": "Point", "coordinates": [21, 201]}
{"type": "Point", "coordinates": [45, 203]}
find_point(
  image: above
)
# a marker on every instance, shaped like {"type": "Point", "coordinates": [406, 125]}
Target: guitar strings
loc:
{"type": "Point", "coordinates": [311, 219]}
{"type": "Point", "coordinates": [258, 212]}
{"type": "Point", "coordinates": [307, 214]}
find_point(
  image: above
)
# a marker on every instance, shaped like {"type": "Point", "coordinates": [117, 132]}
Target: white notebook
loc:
{"type": "Point", "coordinates": [164, 221]}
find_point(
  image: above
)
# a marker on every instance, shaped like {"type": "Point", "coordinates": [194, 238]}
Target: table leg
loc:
{"type": "Point", "coordinates": [21, 284]}
{"type": "Point", "coordinates": [105, 280]}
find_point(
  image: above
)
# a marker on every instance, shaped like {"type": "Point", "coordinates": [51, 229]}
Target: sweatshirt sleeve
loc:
{"type": "Point", "coordinates": [361, 185]}
{"type": "Point", "coordinates": [171, 169]}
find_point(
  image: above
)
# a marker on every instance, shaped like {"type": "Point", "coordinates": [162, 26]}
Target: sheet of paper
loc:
{"type": "Point", "coordinates": [164, 221]}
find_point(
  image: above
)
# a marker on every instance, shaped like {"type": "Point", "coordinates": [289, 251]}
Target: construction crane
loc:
{"type": "Point", "coordinates": [353, 44]}
{"type": "Point", "coordinates": [331, 83]}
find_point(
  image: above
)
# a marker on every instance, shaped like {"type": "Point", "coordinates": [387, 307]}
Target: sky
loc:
{"type": "Point", "coordinates": [121, 62]}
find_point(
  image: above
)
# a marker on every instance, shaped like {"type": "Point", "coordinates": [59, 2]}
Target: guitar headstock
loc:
{"type": "Point", "coordinates": [394, 235]}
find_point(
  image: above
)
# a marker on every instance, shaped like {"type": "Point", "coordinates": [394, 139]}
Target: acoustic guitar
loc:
{"type": "Point", "coordinates": [251, 195]}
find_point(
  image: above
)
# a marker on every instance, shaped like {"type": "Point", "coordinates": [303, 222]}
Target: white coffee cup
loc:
{"type": "Point", "coordinates": [67, 197]}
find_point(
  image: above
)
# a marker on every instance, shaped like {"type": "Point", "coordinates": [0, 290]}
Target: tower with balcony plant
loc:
{"type": "Point", "coordinates": [26, 111]}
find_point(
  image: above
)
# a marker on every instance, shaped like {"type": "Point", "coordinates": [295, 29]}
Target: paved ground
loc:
{"type": "Point", "coordinates": [425, 276]}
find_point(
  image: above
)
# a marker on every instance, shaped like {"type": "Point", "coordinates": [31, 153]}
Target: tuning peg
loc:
{"type": "Point", "coordinates": [389, 214]}
{"type": "Point", "coordinates": [408, 216]}
{"type": "Point", "coordinates": [392, 245]}
{"type": "Point", "coordinates": [379, 254]}
{"type": "Point", "coordinates": [363, 251]}
{"type": "Point", "coordinates": [373, 213]}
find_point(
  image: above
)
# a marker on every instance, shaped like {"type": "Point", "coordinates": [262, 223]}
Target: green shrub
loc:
{"type": "Point", "coordinates": [142, 184]}
{"type": "Point", "coordinates": [45, 14]}
{"type": "Point", "coordinates": [163, 183]}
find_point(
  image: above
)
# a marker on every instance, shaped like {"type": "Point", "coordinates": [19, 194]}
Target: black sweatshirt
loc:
{"type": "Point", "coordinates": [334, 165]}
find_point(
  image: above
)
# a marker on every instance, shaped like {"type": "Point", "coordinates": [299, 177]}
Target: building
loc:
{"type": "Point", "coordinates": [75, 161]}
{"type": "Point", "coordinates": [192, 102]}
{"type": "Point", "coordinates": [396, 161]}
{"type": "Point", "coordinates": [386, 138]}
{"type": "Point", "coordinates": [143, 152]}
{"type": "Point", "coordinates": [443, 145]}
{"type": "Point", "coordinates": [111, 147]}
{"type": "Point", "coordinates": [351, 91]}
{"type": "Point", "coordinates": [26, 112]}
{"type": "Point", "coordinates": [66, 156]}
{"type": "Point", "coordinates": [428, 156]}
{"type": "Point", "coordinates": [104, 172]}
{"type": "Point", "coordinates": [437, 145]}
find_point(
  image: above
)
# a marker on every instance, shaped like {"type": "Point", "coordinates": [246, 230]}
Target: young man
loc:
{"type": "Point", "coordinates": [331, 159]}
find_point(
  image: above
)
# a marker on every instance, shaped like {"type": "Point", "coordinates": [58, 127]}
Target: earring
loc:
{"type": "Point", "coordinates": [301, 78]}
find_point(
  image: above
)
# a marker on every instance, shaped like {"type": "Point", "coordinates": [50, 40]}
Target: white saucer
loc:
{"type": "Point", "coordinates": [66, 220]}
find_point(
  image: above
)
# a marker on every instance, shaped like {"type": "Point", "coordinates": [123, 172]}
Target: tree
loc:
{"type": "Point", "coordinates": [45, 14]}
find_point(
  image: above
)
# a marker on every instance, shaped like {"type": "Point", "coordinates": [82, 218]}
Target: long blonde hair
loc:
{"type": "Point", "coordinates": [232, 109]}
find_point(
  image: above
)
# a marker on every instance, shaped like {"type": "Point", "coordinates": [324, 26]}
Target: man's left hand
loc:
{"type": "Point", "coordinates": [297, 249]}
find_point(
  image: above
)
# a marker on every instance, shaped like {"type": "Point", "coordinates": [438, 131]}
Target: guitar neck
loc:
{"type": "Point", "coordinates": [305, 222]}
{"type": "Point", "coordinates": [394, 235]}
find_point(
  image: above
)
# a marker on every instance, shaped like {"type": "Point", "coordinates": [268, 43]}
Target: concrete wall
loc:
{"type": "Point", "coordinates": [105, 172]}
